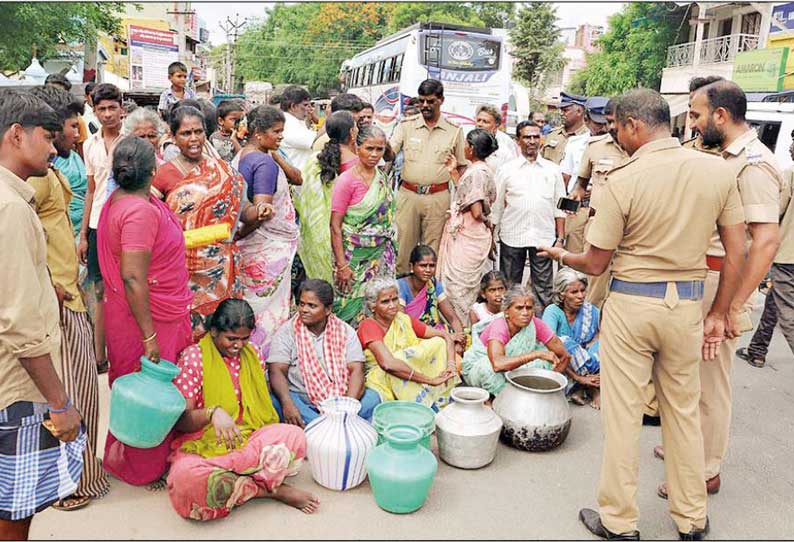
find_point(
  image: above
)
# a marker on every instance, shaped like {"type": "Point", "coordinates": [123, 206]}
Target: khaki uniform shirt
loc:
{"type": "Point", "coordinates": [785, 254]}
{"type": "Point", "coordinates": [600, 156]}
{"type": "Point", "coordinates": [555, 142]}
{"type": "Point", "coordinates": [425, 149]}
{"type": "Point", "coordinates": [29, 319]}
{"type": "Point", "coordinates": [658, 210]}
{"type": "Point", "coordinates": [53, 194]}
{"type": "Point", "coordinates": [760, 183]}
{"type": "Point", "coordinates": [697, 144]}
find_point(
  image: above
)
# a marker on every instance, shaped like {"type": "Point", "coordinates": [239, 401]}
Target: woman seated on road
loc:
{"type": "Point", "coordinates": [315, 356]}
{"type": "Point", "coordinates": [424, 299]}
{"type": "Point", "coordinates": [514, 339]}
{"type": "Point", "coordinates": [406, 359]}
{"type": "Point", "coordinates": [232, 448]}
{"type": "Point", "coordinates": [576, 323]}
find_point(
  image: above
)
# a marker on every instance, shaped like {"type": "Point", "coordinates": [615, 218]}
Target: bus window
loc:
{"type": "Point", "coordinates": [379, 72]}
{"type": "Point", "coordinates": [384, 65]}
{"type": "Point", "coordinates": [432, 52]}
{"type": "Point", "coordinates": [398, 67]}
{"type": "Point", "coordinates": [388, 69]}
{"type": "Point", "coordinates": [767, 132]}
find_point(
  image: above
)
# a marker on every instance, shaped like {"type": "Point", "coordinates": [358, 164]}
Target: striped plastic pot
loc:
{"type": "Point", "coordinates": [338, 444]}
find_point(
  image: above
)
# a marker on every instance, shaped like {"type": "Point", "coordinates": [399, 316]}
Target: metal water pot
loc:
{"type": "Point", "coordinates": [534, 409]}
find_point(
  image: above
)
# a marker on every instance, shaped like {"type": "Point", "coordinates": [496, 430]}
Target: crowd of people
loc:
{"type": "Point", "coordinates": [280, 265]}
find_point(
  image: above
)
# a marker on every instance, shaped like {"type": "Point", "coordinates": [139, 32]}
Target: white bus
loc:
{"type": "Point", "coordinates": [472, 63]}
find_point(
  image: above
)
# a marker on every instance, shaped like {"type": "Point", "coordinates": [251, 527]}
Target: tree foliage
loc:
{"type": "Point", "coordinates": [306, 43]}
{"type": "Point", "coordinates": [46, 25]}
{"type": "Point", "coordinates": [633, 51]}
{"type": "Point", "coordinates": [536, 44]}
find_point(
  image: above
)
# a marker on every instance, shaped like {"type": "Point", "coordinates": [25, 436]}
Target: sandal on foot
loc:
{"type": "Point", "coordinates": [67, 504]}
{"type": "Point", "coordinates": [744, 353]}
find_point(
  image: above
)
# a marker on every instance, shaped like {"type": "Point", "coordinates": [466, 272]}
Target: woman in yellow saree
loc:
{"type": "Point", "coordinates": [406, 360]}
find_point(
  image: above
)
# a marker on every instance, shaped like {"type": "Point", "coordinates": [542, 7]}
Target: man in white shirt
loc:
{"type": "Point", "coordinates": [525, 213]}
{"type": "Point", "coordinates": [488, 118]}
{"type": "Point", "coordinates": [298, 138]}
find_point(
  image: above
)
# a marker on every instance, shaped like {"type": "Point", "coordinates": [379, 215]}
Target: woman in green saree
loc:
{"type": "Point", "coordinates": [313, 201]}
{"type": "Point", "coordinates": [363, 236]}
{"type": "Point", "coordinates": [513, 339]}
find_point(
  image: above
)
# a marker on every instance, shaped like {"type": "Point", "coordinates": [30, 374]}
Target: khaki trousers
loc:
{"type": "Point", "coordinates": [420, 219]}
{"type": "Point", "coordinates": [597, 290]}
{"type": "Point", "coordinates": [715, 392]}
{"type": "Point", "coordinates": [643, 338]}
{"type": "Point", "coordinates": [575, 229]}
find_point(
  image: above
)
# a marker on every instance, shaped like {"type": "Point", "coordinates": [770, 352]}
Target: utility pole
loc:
{"type": "Point", "coordinates": [232, 30]}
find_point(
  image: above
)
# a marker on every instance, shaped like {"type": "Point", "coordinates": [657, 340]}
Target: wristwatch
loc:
{"type": "Point", "coordinates": [560, 240]}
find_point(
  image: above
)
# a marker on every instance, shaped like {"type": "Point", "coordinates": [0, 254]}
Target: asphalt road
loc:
{"type": "Point", "coordinates": [520, 495]}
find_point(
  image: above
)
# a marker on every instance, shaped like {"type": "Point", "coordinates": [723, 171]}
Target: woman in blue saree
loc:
{"type": "Point", "coordinates": [576, 322]}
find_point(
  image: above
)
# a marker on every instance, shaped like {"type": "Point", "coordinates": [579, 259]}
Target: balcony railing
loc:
{"type": "Point", "coordinates": [712, 51]}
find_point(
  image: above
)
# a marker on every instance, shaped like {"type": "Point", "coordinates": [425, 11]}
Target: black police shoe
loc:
{"type": "Point", "coordinates": [592, 520]}
{"type": "Point", "coordinates": [695, 534]}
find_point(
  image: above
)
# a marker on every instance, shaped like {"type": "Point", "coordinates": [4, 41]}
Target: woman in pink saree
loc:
{"type": "Point", "coordinates": [147, 299]}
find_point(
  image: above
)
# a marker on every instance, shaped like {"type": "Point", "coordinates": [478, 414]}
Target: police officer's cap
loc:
{"type": "Point", "coordinates": [596, 109]}
{"type": "Point", "coordinates": [571, 99]}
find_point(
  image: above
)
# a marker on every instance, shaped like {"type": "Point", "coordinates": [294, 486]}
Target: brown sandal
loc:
{"type": "Point", "coordinates": [68, 504]}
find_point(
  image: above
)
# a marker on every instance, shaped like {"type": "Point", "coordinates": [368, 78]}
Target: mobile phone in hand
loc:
{"type": "Point", "coordinates": [568, 204]}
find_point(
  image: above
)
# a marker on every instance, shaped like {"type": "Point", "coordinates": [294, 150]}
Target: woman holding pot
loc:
{"type": "Point", "coordinates": [576, 323]}
{"type": "Point", "coordinates": [406, 359]}
{"type": "Point", "coordinates": [514, 339]}
{"type": "Point", "coordinates": [142, 254]}
{"type": "Point", "coordinates": [231, 448]}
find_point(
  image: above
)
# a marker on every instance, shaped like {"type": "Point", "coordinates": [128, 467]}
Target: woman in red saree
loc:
{"type": "Point", "coordinates": [147, 300]}
{"type": "Point", "coordinates": [204, 191]}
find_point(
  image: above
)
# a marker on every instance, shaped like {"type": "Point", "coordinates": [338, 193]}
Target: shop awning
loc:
{"type": "Point", "coordinates": [679, 103]}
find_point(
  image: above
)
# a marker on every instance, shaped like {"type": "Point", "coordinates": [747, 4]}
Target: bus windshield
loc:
{"type": "Point", "coordinates": [462, 52]}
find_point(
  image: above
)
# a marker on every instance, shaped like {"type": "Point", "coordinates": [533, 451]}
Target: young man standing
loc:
{"type": "Point", "coordinates": [98, 152]}
{"type": "Point", "coordinates": [53, 195]}
{"type": "Point", "coordinates": [40, 463]}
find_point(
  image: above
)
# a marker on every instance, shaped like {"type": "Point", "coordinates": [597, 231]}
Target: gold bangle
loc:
{"type": "Point", "coordinates": [209, 411]}
{"type": "Point", "coordinates": [150, 337]}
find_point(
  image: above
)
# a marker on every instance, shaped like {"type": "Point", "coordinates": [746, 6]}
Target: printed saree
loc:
{"type": "Point", "coordinates": [266, 256]}
{"type": "Point", "coordinates": [313, 204]}
{"type": "Point", "coordinates": [428, 356]}
{"type": "Point", "coordinates": [369, 240]}
{"type": "Point", "coordinates": [584, 359]}
{"type": "Point", "coordinates": [209, 193]}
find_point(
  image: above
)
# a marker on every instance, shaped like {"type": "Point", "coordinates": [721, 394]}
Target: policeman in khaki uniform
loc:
{"type": "Point", "coordinates": [656, 215]}
{"type": "Point", "coordinates": [717, 112]}
{"type": "Point", "coordinates": [572, 111]}
{"type": "Point", "coordinates": [423, 197]}
{"type": "Point", "coordinates": [602, 155]}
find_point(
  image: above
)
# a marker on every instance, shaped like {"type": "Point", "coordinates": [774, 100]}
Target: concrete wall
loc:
{"type": "Point", "coordinates": [676, 80]}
